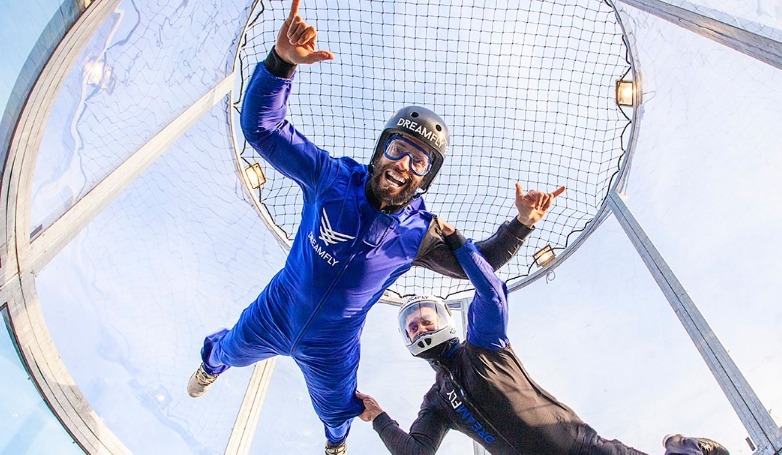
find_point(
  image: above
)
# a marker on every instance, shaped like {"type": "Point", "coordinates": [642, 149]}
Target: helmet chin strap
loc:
{"type": "Point", "coordinates": [435, 352]}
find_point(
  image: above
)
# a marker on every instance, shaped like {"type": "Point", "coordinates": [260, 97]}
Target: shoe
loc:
{"type": "Point", "coordinates": [199, 382]}
{"type": "Point", "coordinates": [340, 449]}
{"type": "Point", "coordinates": [678, 444]}
{"type": "Point", "coordinates": [709, 447]}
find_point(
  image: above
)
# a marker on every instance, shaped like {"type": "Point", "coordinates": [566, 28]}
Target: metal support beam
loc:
{"type": "Point", "coordinates": [247, 420]}
{"type": "Point", "coordinates": [50, 241]}
{"type": "Point", "coordinates": [757, 46]}
{"type": "Point", "coordinates": [756, 419]}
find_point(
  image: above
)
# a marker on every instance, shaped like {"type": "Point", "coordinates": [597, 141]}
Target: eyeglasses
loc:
{"type": "Point", "coordinates": [397, 147]}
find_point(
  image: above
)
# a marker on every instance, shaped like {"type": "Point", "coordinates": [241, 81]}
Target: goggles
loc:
{"type": "Point", "coordinates": [398, 147]}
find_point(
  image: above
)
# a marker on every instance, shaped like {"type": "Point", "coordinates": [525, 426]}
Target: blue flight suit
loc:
{"type": "Point", "coordinates": [345, 254]}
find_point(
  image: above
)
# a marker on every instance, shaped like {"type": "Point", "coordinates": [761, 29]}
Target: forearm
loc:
{"type": "Point", "coordinates": [498, 249]}
{"type": "Point", "coordinates": [504, 244]}
{"type": "Point", "coordinates": [487, 285]}
{"type": "Point", "coordinates": [269, 133]}
{"type": "Point", "coordinates": [487, 318]}
{"type": "Point", "coordinates": [265, 104]}
{"type": "Point", "coordinates": [399, 442]}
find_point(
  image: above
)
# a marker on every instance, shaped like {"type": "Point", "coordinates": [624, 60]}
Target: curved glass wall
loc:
{"type": "Point", "coordinates": [29, 427]}
{"type": "Point", "coordinates": [142, 67]}
{"type": "Point", "coordinates": [181, 251]}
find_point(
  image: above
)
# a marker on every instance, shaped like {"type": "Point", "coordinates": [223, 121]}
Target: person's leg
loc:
{"type": "Point", "coordinates": [251, 340]}
{"type": "Point", "coordinates": [674, 445]}
{"type": "Point", "coordinates": [212, 363]}
{"type": "Point", "coordinates": [595, 445]}
{"type": "Point", "coordinates": [337, 435]}
{"type": "Point", "coordinates": [331, 382]}
{"type": "Point", "coordinates": [612, 447]}
{"type": "Point", "coordinates": [237, 347]}
{"type": "Point", "coordinates": [246, 343]}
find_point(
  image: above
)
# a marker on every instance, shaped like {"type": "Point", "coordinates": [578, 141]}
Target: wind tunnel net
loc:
{"type": "Point", "coordinates": [527, 93]}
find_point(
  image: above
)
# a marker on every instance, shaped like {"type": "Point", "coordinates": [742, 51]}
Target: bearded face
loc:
{"type": "Point", "coordinates": [393, 183]}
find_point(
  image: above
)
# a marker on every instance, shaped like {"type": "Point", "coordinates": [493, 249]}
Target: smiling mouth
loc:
{"type": "Point", "coordinates": [395, 179]}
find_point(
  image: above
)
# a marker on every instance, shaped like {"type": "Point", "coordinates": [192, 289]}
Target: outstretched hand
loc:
{"type": "Point", "coordinates": [371, 408]}
{"type": "Point", "coordinates": [296, 40]}
{"type": "Point", "coordinates": [533, 205]}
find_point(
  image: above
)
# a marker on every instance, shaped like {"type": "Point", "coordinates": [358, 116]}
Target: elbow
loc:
{"type": "Point", "coordinates": [256, 133]}
{"type": "Point", "coordinates": [258, 121]}
{"type": "Point", "coordinates": [250, 128]}
{"type": "Point", "coordinates": [457, 273]}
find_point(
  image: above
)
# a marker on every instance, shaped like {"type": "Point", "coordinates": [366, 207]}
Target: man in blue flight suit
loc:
{"type": "Point", "coordinates": [361, 228]}
{"type": "Point", "coordinates": [481, 387]}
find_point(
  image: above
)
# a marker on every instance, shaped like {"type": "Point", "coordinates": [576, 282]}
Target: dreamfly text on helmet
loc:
{"type": "Point", "coordinates": [431, 136]}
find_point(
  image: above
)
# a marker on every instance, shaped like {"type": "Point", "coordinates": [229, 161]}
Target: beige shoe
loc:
{"type": "Point", "coordinates": [709, 447]}
{"type": "Point", "coordinates": [199, 382]}
{"type": "Point", "coordinates": [341, 449]}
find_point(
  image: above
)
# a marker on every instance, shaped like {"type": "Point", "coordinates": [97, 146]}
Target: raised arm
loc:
{"type": "Point", "coordinates": [265, 103]}
{"type": "Point", "coordinates": [434, 254]}
{"type": "Point", "coordinates": [487, 318]}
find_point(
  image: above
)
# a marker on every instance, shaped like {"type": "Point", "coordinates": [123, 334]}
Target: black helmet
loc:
{"type": "Point", "coordinates": [422, 124]}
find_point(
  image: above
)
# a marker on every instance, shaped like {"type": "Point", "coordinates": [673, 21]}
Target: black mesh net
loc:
{"type": "Point", "coordinates": [528, 95]}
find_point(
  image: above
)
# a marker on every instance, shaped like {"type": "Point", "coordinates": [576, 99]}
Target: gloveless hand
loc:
{"type": "Point", "coordinates": [296, 40]}
{"type": "Point", "coordinates": [533, 205]}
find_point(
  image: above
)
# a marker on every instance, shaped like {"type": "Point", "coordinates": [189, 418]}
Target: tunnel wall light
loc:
{"type": "Point", "coordinates": [625, 93]}
{"type": "Point", "coordinates": [255, 175]}
{"type": "Point", "coordinates": [544, 256]}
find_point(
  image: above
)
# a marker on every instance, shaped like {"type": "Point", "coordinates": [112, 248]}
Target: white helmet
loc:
{"type": "Point", "coordinates": [424, 323]}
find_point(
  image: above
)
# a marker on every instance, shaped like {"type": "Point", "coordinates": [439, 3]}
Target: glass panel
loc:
{"type": "Point", "coordinates": [144, 66]}
{"type": "Point", "coordinates": [20, 26]}
{"type": "Point", "coordinates": [27, 38]}
{"type": "Point", "coordinates": [704, 185]}
{"type": "Point", "coordinates": [179, 255]}
{"type": "Point", "coordinates": [602, 338]}
{"type": "Point", "coordinates": [175, 257]}
{"type": "Point", "coordinates": [29, 427]}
